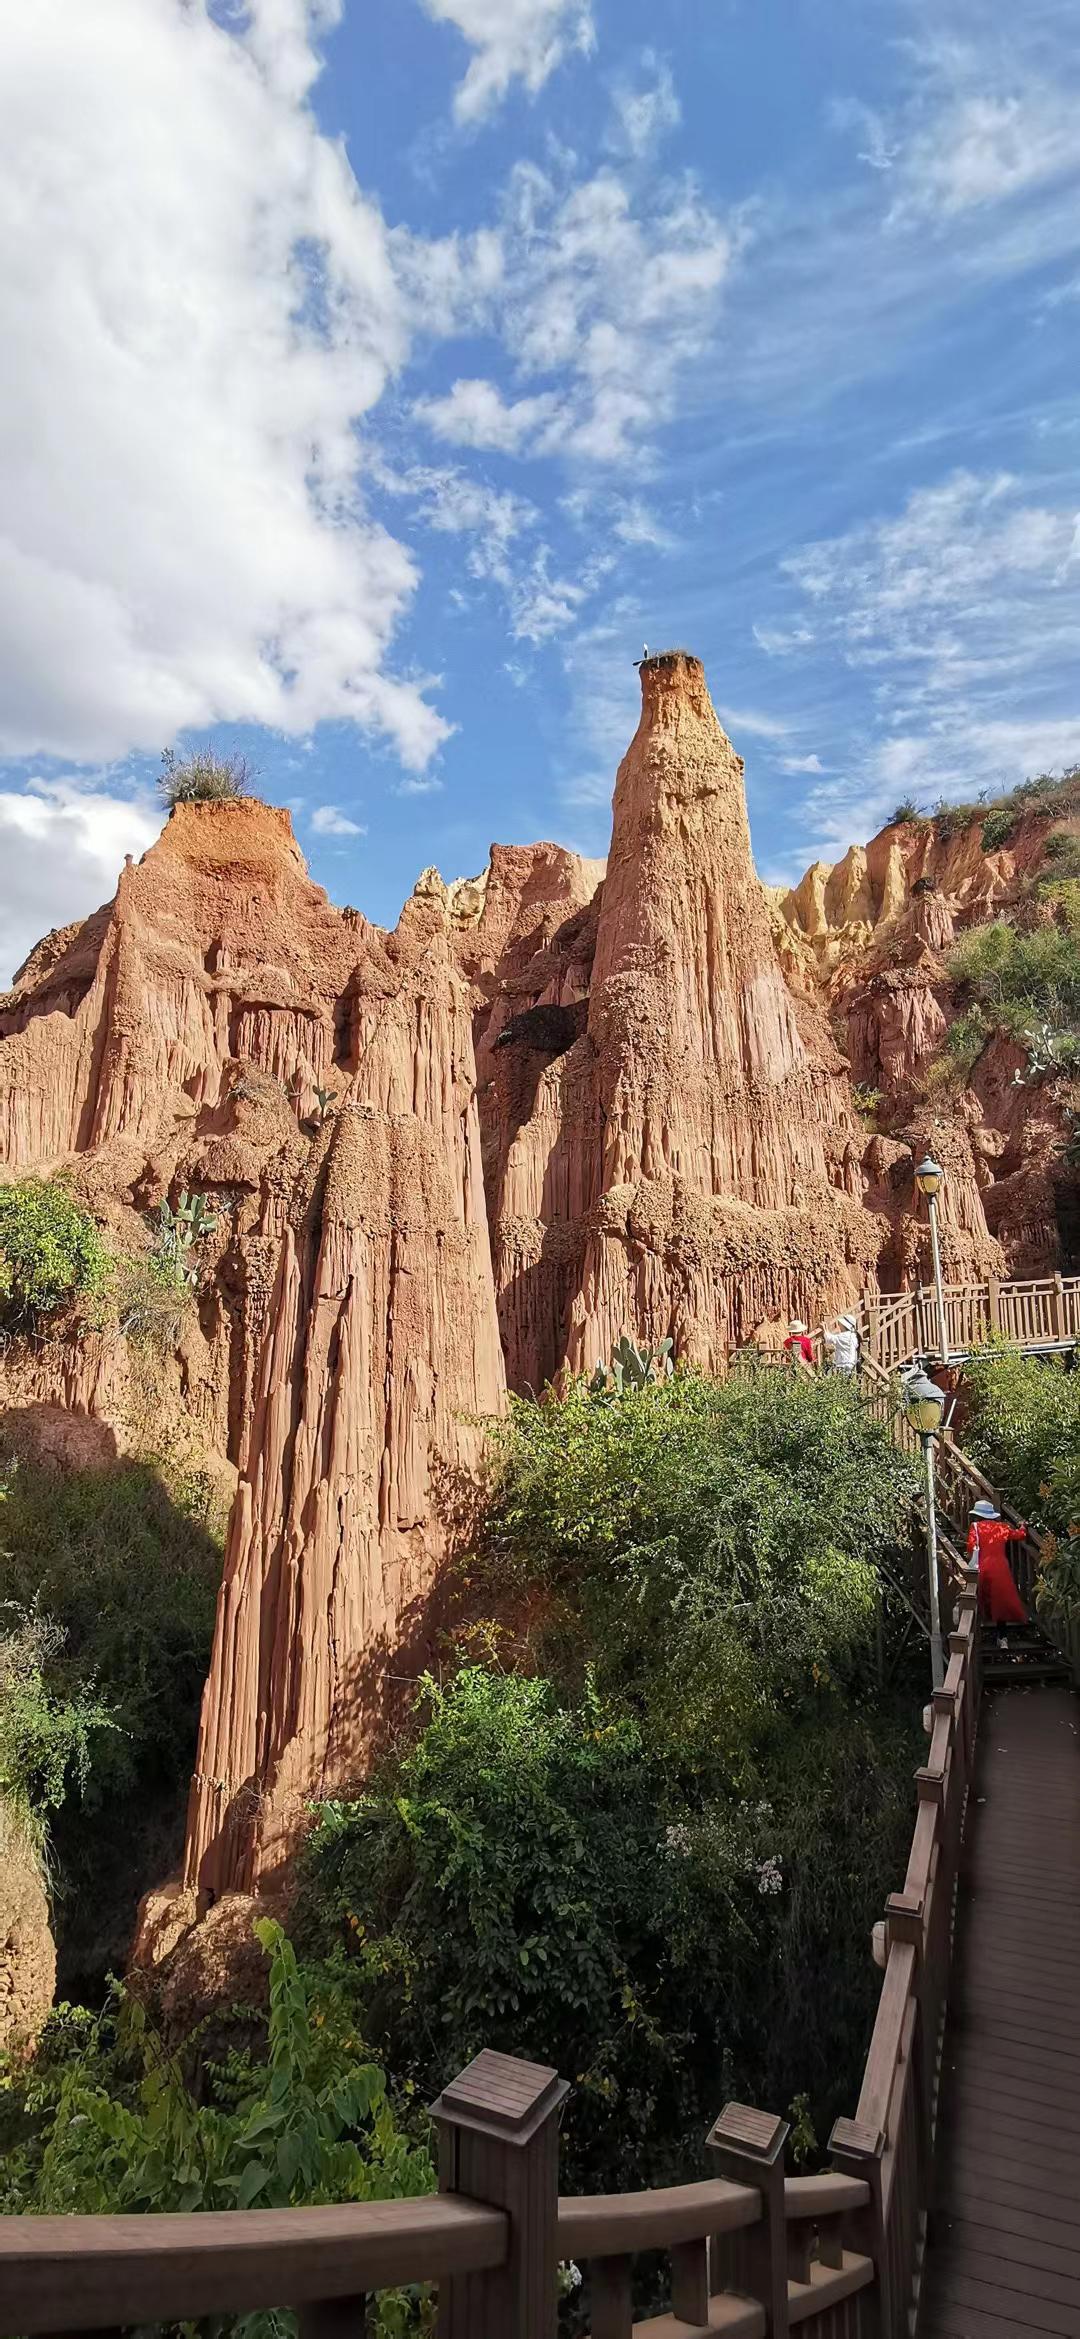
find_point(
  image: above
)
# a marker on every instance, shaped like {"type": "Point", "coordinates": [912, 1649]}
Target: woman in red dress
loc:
{"type": "Point", "coordinates": [988, 1537]}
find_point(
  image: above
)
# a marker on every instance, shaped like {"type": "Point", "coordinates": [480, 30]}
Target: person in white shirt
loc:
{"type": "Point", "coordinates": [843, 1345]}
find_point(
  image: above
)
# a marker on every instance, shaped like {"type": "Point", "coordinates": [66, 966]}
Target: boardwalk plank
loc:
{"type": "Point", "coordinates": [1003, 2254]}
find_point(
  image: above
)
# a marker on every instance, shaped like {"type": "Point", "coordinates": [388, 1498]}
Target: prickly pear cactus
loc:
{"type": "Point", "coordinates": [632, 1368]}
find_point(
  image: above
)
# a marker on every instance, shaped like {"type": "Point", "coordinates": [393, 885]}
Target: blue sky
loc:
{"type": "Point", "coordinates": [386, 375]}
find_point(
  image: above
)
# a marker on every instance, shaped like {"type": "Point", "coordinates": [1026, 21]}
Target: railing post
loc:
{"type": "Point", "coordinates": [749, 2148]}
{"type": "Point", "coordinates": [1061, 1330]}
{"type": "Point", "coordinates": [499, 2143]}
{"type": "Point", "coordinates": [857, 2151]}
{"type": "Point", "coordinates": [993, 1289]}
{"type": "Point", "coordinates": [873, 1331]}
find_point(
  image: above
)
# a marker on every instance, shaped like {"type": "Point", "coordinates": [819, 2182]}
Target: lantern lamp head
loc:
{"type": "Point", "coordinates": [923, 1404]}
{"type": "Point", "coordinates": [929, 1177]}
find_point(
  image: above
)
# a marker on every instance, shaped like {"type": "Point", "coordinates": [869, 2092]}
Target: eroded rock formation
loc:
{"type": "Point", "coordinates": [560, 1100]}
{"type": "Point", "coordinates": [871, 938]}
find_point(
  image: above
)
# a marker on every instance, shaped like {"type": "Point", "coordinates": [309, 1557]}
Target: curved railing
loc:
{"type": "Point", "coordinates": [745, 2259]}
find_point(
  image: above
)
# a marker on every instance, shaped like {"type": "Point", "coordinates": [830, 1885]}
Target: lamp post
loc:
{"type": "Point", "coordinates": [924, 1405]}
{"type": "Point", "coordinates": [929, 1178]}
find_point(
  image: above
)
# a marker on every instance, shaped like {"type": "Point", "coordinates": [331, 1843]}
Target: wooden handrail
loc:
{"type": "Point", "coordinates": [94, 2272]}
{"type": "Point", "coordinates": [605, 2225]}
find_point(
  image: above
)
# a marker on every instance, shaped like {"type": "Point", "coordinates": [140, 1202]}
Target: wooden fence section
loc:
{"type": "Point", "coordinates": [1041, 1313]}
{"type": "Point", "coordinates": [749, 2259]}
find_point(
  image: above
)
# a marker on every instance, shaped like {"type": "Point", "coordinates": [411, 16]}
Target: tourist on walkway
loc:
{"type": "Point", "coordinates": [798, 1343]}
{"type": "Point", "coordinates": [843, 1345]}
{"type": "Point", "coordinates": [988, 1538]}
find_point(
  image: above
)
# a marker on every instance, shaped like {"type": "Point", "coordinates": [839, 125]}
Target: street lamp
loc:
{"type": "Point", "coordinates": [924, 1406]}
{"type": "Point", "coordinates": [929, 1178]}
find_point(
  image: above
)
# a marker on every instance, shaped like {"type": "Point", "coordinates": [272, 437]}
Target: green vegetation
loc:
{"type": "Point", "coordinates": [1025, 1434]}
{"type": "Point", "coordinates": [51, 1252]}
{"type": "Point", "coordinates": [997, 828]}
{"type": "Point", "coordinates": [632, 1368]}
{"type": "Point", "coordinates": [649, 1853]}
{"type": "Point", "coordinates": [45, 1740]}
{"type": "Point", "coordinates": [125, 1562]}
{"type": "Point", "coordinates": [633, 1863]}
{"type": "Point", "coordinates": [203, 777]}
{"type": "Point", "coordinates": [105, 2120]}
{"type": "Point", "coordinates": [1025, 980]}
{"type": "Point", "coordinates": [866, 1100]}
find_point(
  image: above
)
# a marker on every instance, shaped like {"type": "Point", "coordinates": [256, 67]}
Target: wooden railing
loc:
{"type": "Point", "coordinates": [890, 2140]}
{"type": "Point", "coordinates": [1043, 1312]}
{"type": "Point", "coordinates": [751, 2253]}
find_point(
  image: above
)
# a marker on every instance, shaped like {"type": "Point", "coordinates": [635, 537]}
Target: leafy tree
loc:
{"type": "Point", "coordinates": [51, 1251]}
{"type": "Point", "coordinates": [45, 1740]}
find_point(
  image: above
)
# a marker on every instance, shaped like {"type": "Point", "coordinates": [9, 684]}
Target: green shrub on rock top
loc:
{"type": "Point", "coordinates": [203, 777]}
{"type": "Point", "coordinates": [51, 1251]}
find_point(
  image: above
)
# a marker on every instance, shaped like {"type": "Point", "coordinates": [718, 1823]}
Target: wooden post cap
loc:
{"type": "Point", "coordinates": [498, 2095]}
{"type": "Point", "coordinates": [741, 2129]}
{"type": "Point", "coordinates": [856, 2137]}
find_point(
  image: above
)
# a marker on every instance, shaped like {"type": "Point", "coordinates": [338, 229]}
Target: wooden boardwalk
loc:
{"type": "Point", "coordinates": [1003, 2256]}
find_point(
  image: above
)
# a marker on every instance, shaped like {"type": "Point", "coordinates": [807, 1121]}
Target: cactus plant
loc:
{"type": "Point", "coordinates": [632, 1368]}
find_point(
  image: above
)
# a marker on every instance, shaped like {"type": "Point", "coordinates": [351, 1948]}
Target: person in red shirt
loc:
{"type": "Point", "coordinates": [988, 1538]}
{"type": "Point", "coordinates": [799, 1343]}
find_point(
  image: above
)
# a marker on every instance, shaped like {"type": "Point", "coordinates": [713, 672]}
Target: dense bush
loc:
{"type": "Point", "coordinates": [1025, 1434]}
{"type": "Point", "coordinates": [717, 1544]}
{"type": "Point", "coordinates": [203, 777]}
{"type": "Point", "coordinates": [50, 1248]}
{"type": "Point", "coordinates": [1021, 977]}
{"type": "Point", "coordinates": [655, 1865]}
{"type": "Point", "coordinates": [45, 1740]}
{"type": "Point", "coordinates": [104, 2121]}
{"type": "Point", "coordinates": [997, 828]}
{"type": "Point", "coordinates": [126, 1562]}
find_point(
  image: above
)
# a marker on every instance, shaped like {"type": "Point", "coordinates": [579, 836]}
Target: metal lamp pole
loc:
{"type": "Point", "coordinates": [925, 1405]}
{"type": "Point", "coordinates": [929, 1178]}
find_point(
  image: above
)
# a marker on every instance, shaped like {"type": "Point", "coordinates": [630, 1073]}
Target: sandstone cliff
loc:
{"type": "Point", "coordinates": [871, 938]}
{"type": "Point", "coordinates": [560, 1100]}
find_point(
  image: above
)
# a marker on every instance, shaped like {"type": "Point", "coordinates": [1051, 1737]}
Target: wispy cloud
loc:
{"type": "Point", "coordinates": [756, 721]}
{"type": "Point", "coordinates": [512, 40]}
{"type": "Point", "coordinates": [645, 108]}
{"type": "Point", "coordinates": [601, 301]}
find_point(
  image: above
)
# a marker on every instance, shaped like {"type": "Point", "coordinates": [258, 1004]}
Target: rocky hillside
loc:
{"type": "Point", "coordinates": [556, 1102]}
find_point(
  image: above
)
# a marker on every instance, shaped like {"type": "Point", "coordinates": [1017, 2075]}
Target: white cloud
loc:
{"type": "Point", "coordinates": [61, 846]}
{"type": "Point", "coordinates": [198, 304]}
{"type": "Point", "coordinates": [801, 763]}
{"type": "Point", "coordinates": [328, 821]}
{"type": "Point", "coordinates": [514, 40]}
{"type": "Point", "coordinates": [614, 298]}
{"type": "Point", "coordinates": [475, 414]}
{"type": "Point", "coordinates": [981, 146]}
{"type": "Point", "coordinates": [912, 586]}
{"type": "Point", "coordinates": [965, 608]}
{"type": "Point", "coordinates": [645, 113]}
{"type": "Point", "coordinates": [635, 523]}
